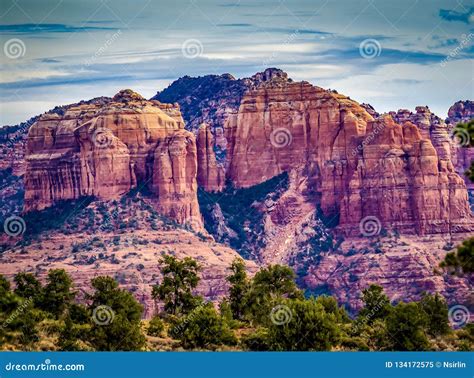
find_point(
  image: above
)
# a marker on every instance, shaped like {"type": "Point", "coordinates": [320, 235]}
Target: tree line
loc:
{"type": "Point", "coordinates": [266, 312]}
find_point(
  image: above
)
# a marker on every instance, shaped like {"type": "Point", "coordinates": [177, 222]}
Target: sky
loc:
{"type": "Point", "coordinates": [392, 54]}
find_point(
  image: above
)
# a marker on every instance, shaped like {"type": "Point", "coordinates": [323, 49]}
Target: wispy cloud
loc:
{"type": "Point", "coordinates": [452, 15]}
{"type": "Point", "coordinates": [242, 25]}
{"type": "Point", "coordinates": [16, 29]}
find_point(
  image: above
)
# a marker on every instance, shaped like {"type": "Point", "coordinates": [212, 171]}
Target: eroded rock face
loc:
{"type": "Point", "coordinates": [405, 268]}
{"type": "Point", "coordinates": [106, 149]}
{"type": "Point", "coordinates": [462, 111]}
{"type": "Point", "coordinates": [356, 166]}
{"type": "Point", "coordinates": [401, 180]}
{"type": "Point", "coordinates": [211, 173]}
{"type": "Point", "coordinates": [283, 125]}
{"type": "Point", "coordinates": [453, 154]}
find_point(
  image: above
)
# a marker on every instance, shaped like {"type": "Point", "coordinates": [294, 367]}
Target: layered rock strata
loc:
{"type": "Point", "coordinates": [105, 150]}
{"type": "Point", "coordinates": [358, 166]}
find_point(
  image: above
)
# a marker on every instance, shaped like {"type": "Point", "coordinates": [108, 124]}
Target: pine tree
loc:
{"type": "Point", "coordinates": [180, 278]}
{"type": "Point", "coordinates": [239, 288]}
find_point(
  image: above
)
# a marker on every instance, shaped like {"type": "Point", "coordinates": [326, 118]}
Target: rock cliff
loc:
{"type": "Point", "coordinates": [104, 149]}
{"type": "Point", "coordinates": [211, 172]}
{"type": "Point", "coordinates": [462, 111]}
{"type": "Point", "coordinates": [357, 166]}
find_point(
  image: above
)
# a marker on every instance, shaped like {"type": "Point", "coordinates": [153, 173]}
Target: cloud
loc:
{"type": "Point", "coordinates": [452, 15]}
{"type": "Point", "coordinates": [15, 29]}
{"type": "Point", "coordinates": [229, 5]}
{"type": "Point", "coordinates": [49, 60]}
{"type": "Point", "coordinates": [243, 25]}
{"type": "Point", "coordinates": [405, 81]}
{"type": "Point", "coordinates": [448, 42]}
{"type": "Point", "coordinates": [387, 56]}
{"type": "Point", "coordinates": [58, 81]}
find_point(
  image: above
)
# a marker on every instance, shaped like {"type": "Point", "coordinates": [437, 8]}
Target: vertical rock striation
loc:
{"type": "Point", "coordinates": [106, 149]}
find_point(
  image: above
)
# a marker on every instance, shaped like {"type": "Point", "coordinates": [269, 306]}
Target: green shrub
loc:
{"type": "Point", "coordinates": [156, 327]}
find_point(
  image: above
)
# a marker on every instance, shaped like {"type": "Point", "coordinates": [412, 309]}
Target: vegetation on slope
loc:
{"type": "Point", "coordinates": [266, 312]}
{"type": "Point", "coordinates": [241, 214]}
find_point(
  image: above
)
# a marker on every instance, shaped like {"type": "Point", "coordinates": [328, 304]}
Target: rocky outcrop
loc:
{"type": "Point", "coordinates": [283, 125]}
{"type": "Point", "coordinates": [206, 99]}
{"type": "Point", "coordinates": [401, 180]}
{"type": "Point", "coordinates": [404, 267]}
{"type": "Point", "coordinates": [452, 153]}
{"type": "Point", "coordinates": [211, 173]}
{"type": "Point", "coordinates": [461, 111]}
{"type": "Point", "coordinates": [356, 166]}
{"type": "Point", "coordinates": [431, 127]}
{"type": "Point", "coordinates": [106, 149]}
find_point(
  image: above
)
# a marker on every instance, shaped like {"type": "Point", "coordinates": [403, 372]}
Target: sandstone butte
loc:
{"type": "Point", "coordinates": [105, 150]}
{"type": "Point", "coordinates": [355, 165]}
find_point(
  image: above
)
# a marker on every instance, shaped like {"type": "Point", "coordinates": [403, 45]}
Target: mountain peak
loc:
{"type": "Point", "coordinates": [126, 95]}
{"type": "Point", "coordinates": [270, 74]}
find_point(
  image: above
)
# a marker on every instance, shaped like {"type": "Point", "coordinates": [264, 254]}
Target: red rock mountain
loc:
{"type": "Point", "coordinates": [105, 150]}
{"type": "Point", "coordinates": [358, 166]}
{"type": "Point", "coordinates": [284, 171]}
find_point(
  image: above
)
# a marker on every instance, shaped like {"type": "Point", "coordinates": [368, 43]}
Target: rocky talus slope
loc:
{"type": "Point", "coordinates": [124, 239]}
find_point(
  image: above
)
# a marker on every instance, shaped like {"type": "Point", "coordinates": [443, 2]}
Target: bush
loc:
{"type": "Point", "coordinates": [302, 325]}
{"type": "Point", "coordinates": [155, 327]}
{"type": "Point", "coordinates": [406, 328]}
{"type": "Point", "coordinates": [205, 328]}
{"type": "Point", "coordinates": [116, 320]}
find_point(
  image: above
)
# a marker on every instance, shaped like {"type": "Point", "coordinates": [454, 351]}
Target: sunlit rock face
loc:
{"type": "Point", "coordinates": [106, 149]}
{"type": "Point", "coordinates": [402, 173]}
